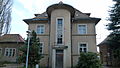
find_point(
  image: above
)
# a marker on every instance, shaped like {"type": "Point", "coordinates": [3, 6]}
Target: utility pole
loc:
{"type": "Point", "coordinates": [29, 32]}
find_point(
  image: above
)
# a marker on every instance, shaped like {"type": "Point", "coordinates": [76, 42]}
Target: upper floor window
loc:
{"type": "Point", "coordinates": [0, 51]}
{"type": "Point", "coordinates": [82, 29]}
{"type": "Point", "coordinates": [82, 47]}
{"type": "Point", "coordinates": [60, 31]}
{"type": "Point", "coordinates": [41, 29]}
{"type": "Point", "coordinates": [10, 52]}
{"type": "Point", "coordinates": [41, 48]}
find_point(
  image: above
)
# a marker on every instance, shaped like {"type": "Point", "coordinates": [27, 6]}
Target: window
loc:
{"type": "Point", "coordinates": [41, 48]}
{"type": "Point", "coordinates": [40, 29]}
{"type": "Point", "coordinates": [60, 31]}
{"type": "Point", "coordinates": [0, 51]}
{"type": "Point", "coordinates": [82, 47]}
{"type": "Point", "coordinates": [10, 52]}
{"type": "Point", "coordinates": [82, 29]}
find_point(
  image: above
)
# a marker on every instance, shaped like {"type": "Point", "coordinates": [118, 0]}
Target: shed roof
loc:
{"type": "Point", "coordinates": [108, 40]}
{"type": "Point", "coordinates": [105, 41]}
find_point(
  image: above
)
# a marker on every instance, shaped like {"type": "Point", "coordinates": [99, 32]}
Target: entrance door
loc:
{"type": "Point", "coordinates": [59, 59]}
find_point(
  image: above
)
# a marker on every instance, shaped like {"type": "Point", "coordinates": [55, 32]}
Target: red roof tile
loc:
{"type": "Point", "coordinates": [11, 38]}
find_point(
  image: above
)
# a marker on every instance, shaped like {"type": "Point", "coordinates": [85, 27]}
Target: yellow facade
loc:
{"type": "Point", "coordinates": [71, 38]}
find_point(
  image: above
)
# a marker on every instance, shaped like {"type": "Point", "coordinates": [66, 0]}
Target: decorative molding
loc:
{"type": "Point", "coordinates": [42, 34]}
{"type": "Point", "coordinates": [84, 34]}
{"type": "Point", "coordinates": [60, 47]}
{"type": "Point", "coordinates": [75, 55]}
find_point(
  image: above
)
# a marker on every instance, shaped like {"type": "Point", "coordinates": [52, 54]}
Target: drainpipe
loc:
{"type": "Point", "coordinates": [49, 48]}
{"type": "Point", "coordinates": [71, 45]}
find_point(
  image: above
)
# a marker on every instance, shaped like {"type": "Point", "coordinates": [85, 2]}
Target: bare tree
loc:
{"type": "Point", "coordinates": [5, 16]}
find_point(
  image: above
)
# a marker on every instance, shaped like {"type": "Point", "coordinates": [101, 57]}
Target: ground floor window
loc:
{"type": "Point", "coordinates": [10, 52]}
{"type": "Point", "coordinates": [83, 47]}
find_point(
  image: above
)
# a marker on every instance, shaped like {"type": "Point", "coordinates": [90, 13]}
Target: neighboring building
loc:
{"type": "Point", "coordinates": [106, 52]}
{"type": "Point", "coordinates": [64, 32]}
{"type": "Point", "coordinates": [9, 44]}
{"type": "Point", "coordinates": [105, 55]}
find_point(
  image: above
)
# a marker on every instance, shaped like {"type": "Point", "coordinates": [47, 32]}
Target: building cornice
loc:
{"type": "Point", "coordinates": [35, 20]}
{"type": "Point", "coordinates": [42, 34]}
{"type": "Point", "coordinates": [84, 34]}
{"type": "Point", "coordinates": [95, 20]}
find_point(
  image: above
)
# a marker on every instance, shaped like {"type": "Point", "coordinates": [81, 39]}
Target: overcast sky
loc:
{"type": "Point", "coordinates": [25, 9]}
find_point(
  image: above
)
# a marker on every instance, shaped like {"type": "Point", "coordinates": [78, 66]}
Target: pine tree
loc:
{"type": "Point", "coordinates": [115, 18]}
{"type": "Point", "coordinates": [114, 26]}
{"type": "Point", "coordinates": [34, 51]}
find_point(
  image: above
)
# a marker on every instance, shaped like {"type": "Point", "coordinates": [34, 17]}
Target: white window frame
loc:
{"type": "Point", "coordinates": [79, 46]}
{"type": "Point", "coordinates": [42, 47]}
{"type": "Point", "coordinates": [43, 28]}
{"type": "Point", "coordinates": [78, 29]}
{"type": "Point", "coordinates": [9, 52]}
{"type": "Point", "coordinates": [62, 30]}
{"type": "Point", "coordinates": [1, 51]}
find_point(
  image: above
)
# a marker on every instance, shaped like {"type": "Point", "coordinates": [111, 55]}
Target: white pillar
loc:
{"type": "Point", "coordinates": [53, 58]}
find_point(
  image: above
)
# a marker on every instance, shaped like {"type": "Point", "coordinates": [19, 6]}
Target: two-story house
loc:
{"type": "Point", "coordinates": [64, 32]}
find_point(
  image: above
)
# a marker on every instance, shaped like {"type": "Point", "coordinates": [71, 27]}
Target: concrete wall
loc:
{"type": "Point", "coordinates": [90, 27]}
{"type": "Point", "coordinates": [89, 38]}
{"type": "Point", "coordinates": [33, 26]}
{"type": "Point", "coordinates": [44, 38]}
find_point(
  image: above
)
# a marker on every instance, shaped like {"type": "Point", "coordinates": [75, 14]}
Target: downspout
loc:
{"type": "Point", "coordinates": [71, 45]}
{"type": "Point", "coordinates": [49, 48]}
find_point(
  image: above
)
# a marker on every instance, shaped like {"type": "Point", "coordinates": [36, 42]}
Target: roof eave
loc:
{"type": "Point", "coordinates": [26, 21]}
{"type": "Point", "coordinates": [90, 19]}
{"type": "Point", "coordinates": [31, 20]}
{"type": "Point", "coordinates": [11, 42]}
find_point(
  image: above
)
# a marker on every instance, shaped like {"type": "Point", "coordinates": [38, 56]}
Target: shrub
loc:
{"type": "Point", "coordinates": [88, 60]}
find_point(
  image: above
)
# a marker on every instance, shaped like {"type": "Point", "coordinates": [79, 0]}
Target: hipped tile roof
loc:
{"type": "Point", "coordinates": [76, 14]}
{"type": "Point", "coordinates": [11, 38]}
